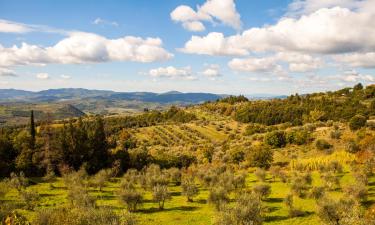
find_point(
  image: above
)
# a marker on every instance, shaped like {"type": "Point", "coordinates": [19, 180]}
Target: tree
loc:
{"type": "Point", "coordinates": [99, 156]}
{"type": "Point", "coordinates": [32, 130]}
{"type": "Point", "coordinates": [358, 87]}
{"type": "Point", "coordinates": [276, 139]}
{"type": "Point", "coordinates": [101, 178]}
{"type": "Point", "coordinates": [218, 196]}
{"type": "Point", "coordinates": [357, 122]}
{"type": "Point", "coordinates": [189, 188]}
{"type": "Point", "coordinates": [247, 210]}
{"type": "Point", "coordinates": [160, 194]}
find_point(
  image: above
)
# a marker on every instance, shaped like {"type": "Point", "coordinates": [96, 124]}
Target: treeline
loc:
{"type": "Point", "coordinates": [341, 105]}
{"type": "Point", "coordinates": [92, 142]}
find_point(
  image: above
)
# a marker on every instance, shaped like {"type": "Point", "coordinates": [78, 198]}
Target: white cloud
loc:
{"type": "Point", "coordinates": [82, 47]}
{"type": "Point", "coordinates": [65, 77]}
{"type": "Point", "coordinates": [213, 44]}
{"type": "Point", "coordinates": [326, 31]}
{"type": "Point", "coordinates": [195, 26]}
{"type": "Point", "coordinates": [42, 76]}
{"type": "Point", "coordinates": [223, 11]}
{"type": "Point", "coordinates": [173, 73]}
{"type": "Point", "coordinates": [273, 64]}
{"type": "Point", "coordinates": [212, 71]}
{"type": "Point", "coordinates": [3, 82]}
{"type": "Point", "coordinates": [5, 72]}
{"type": "Point", "coordinates": [100, 21]}
{"type": "Point", "coordinates": [354, 76]}
{"type": "Point", "coordinates": [366, 60]}
{"type": "Point", "coordinates": [267, 64]}
{"type": "Point", "coordinates": [13, 27]}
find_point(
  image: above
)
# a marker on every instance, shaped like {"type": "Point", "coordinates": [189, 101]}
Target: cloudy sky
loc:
{"type": "Point", "coordinates": [219, 46]}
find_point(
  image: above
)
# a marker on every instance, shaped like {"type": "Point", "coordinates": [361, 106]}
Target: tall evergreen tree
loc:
{"type": "Point", "coordinates": [32, 130]}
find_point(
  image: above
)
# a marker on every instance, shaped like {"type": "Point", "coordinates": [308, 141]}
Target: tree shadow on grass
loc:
{"type": "Point", "coordinates": [280, 218]}
{"type": "Point", "coordinates": [175, 193]}
{"type": "Point", "coordinates": [179, 208]}
{"type": "Point", "coordinates": [274, 200]}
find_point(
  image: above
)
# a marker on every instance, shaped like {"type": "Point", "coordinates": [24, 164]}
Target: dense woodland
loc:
{"type": "Point", "coordinates": [215, 148]}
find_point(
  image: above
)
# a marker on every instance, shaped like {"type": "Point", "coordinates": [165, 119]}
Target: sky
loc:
{"type": "Point", "coordinates": [217, 46]}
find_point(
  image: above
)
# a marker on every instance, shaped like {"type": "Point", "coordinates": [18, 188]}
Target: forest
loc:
{"type": "Point", "coordinates": [305, 159]}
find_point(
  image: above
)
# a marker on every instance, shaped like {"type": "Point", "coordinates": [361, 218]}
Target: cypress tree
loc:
{"type": "Point", "coordinates": [32, 130]}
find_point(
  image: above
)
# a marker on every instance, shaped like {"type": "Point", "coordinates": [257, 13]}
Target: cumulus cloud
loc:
{"type": "Point", "coordinates": [100, 21]}
{"type": "Point", "coordinates": [212, 71]}
{"type": "Point", "coordinates": [326, 31]}
{"type": "Point", "coordinates": [214, 44]}
{"type": "Point", "coordinates": [171, 72]}
{"type": "Point", "coordinates": [353, 76]}
{"type": "Point", "coordinates": [42, 76]}
{"type": "Point", "coordinates": [223, 11]}
{"type": "Point", "coordinates": [82, 47]}
{"type": "Point", "coordinates": [273, 64]}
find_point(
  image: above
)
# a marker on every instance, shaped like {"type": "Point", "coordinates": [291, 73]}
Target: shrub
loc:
{"type": "Point", "coordinates": [322, 144]}
{"type": "Point", "coordinates": [335, 134]}
{"type": "Point", "coordinates": [345, 211]}
{"type": "Point", "coordinates": [260, 156]}
{"type": "Point", "coordinates": [77, 216]}
{"type": "Point", "coordinates": [101, 178]}
{"type": "Point", "coordinates": [160, 194]}
{"type": "Point", "coordinates": [275, 139]}
{"type": "Point", "coordinates": [288, 200]}
{"type": "Point", "coordinates": [218, 196]}
{"type": "Point", "coordinates": [357, 122]}
{"type": "Point", "coordinates": [358, 192]}
{"type": "Point", "coordinates": [175, 175]}
{"type": "Point", "coordinates": [29, 198]}
{"type": "Point", "coordinates": [189, 188]}
{"type": "Point", "coordinates": [129, 195]}
{"type": "Point", "coordinates": [4, 188]}
{"type": "Point", "coordinates": [254, 128]}
{"type": "Point", "coordinates": [298, 137]}
{"type": "Point", "coordinates": [262, 190]}
{"type": "Point", "coordinates": [260, 174]}
{"type": "Point", "coordinates": [18, 181]}
{"type": "Point", "coordinates": [246, 210]}
{"type": "Point", "coordinates": [331, 182]}
{"type": "Point", "coordinates": [352, 146]}
{"type": "Point", "coordinates": [317, 193]}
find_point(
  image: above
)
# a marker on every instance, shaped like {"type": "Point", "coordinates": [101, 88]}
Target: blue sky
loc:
{"type": "Point", "coordinates": [220, 46]}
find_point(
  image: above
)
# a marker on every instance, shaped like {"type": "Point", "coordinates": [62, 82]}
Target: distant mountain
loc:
{"type": "Point", "coordinates": [54, 95]}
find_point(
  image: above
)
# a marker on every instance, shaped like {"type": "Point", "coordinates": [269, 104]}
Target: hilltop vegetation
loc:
{"type": "Point", "coordinates": [301, 160]}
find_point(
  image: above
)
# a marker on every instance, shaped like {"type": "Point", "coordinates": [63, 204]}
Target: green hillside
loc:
{"type": "Point", "coordinates": [301, 160]}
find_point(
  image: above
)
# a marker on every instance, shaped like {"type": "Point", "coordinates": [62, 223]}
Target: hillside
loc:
{"type": "Point", "coordinates": [282, 161]}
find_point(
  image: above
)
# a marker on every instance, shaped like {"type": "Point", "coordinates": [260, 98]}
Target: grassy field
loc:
{"type": "Point", "coordinates": [179, 211]}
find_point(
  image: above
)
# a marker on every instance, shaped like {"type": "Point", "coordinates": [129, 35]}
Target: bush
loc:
{"type": "Point", "coordinates": [260, 174]}
{"type": "Point", "coordinates": [189, 188]}
{"type": "Point", "coordinates": [358, 192]}
{"type": "Point", "coordinates": [298, 137]}
{"type": "Point", "coordinates": [30, 199]}
{"type": "Point", "coordinates": [160, 194]}
{"type": "Point", "coordinates": [255, 128]}
{"type": "Point", "coordinates": [101, 178]}
{"type": "Point", "coordinates": [357, 122]}
{"type": "Point", "coordinates": [331, 182]}
{"type": "Point", "coordinates": [130, 196]}
{"type": "Point", "coordinates": [317, 193]}
{"type": "Point", "coordinates": [175, 175]}
{"type": "Point", "coordinates": [246, 210]}
{"type": "Point", "coordinates": [352, 147]}
{"type": "Point", "coordinates": [262, 190]}
{"type": "Point", "coordinates": [322, 144]}
{"type": "Point", "coordinates": [276, 139]}
{"type": "Point", "coordinates": [345, 211]}
{"type": "Point", "coordinates": [260, 156]}
{"type": "Point", "coordinates": [335, 134]}
{"type": "Point", "coordinates": [218, 196]}
{"type": "Point", "coordinates": [76, 216]}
